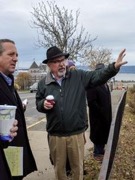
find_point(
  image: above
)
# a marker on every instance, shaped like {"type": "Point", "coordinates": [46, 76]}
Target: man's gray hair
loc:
{"type": "Point", "coordinates": [4, 41]}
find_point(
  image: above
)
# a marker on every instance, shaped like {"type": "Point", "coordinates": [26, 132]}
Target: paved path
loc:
{"type": "Point", "coordinates": [39, 145]}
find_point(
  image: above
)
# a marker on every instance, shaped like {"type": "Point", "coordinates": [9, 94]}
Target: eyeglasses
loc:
{"type": "Point", "coordinates": [57, 61]}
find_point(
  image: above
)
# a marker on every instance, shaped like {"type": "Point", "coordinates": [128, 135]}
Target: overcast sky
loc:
{"type": "Point", "coordinates": [111, 20]}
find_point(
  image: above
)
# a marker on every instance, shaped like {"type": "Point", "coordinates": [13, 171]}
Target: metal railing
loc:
{"type": "Point", "coordinates": [111, 146]}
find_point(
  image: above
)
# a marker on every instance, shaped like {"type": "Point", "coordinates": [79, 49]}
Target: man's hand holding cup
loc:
{"type": "Point", "coordinates": [49, 102]}
{"type": "Point", "coordinates": [13, 130]}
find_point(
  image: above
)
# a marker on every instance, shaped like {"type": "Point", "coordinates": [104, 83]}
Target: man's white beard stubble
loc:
{"type": "Point", "coordinates": [61, 74]}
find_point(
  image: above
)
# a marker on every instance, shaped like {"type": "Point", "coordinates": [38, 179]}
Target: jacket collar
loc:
{"type": "Point", "coordinates": [49, 78]}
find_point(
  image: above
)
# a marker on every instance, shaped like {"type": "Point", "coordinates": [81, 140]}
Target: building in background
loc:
{"type": "Point", "coordinates": [37, 72]}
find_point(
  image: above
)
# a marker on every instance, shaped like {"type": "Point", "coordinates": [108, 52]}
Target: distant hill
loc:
{"type": "Point", "coordinates": [127, 69]}
{"type": "Point", "coordinates": [123, 69]}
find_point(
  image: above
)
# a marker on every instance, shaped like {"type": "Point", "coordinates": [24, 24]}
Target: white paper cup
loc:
{"type": "Point", "coordinates": [7, 117]}
{"type": "Point", "coordinates": [50, 98]}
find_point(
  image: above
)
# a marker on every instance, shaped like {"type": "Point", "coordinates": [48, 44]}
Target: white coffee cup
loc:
{"type": "Point", "coordinates": [50, 98]}
{"type": "Point", "coordinates": [7, 117]}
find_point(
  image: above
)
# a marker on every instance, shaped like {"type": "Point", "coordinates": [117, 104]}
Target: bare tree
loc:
{"type": "Point", "coordinates": [57, 26]}
{"type": "Point", "coordinates": [99, 55]}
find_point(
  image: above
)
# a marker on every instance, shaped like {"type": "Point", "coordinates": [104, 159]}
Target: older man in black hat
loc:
{"type": "Point", "coordinates": [67, 115]}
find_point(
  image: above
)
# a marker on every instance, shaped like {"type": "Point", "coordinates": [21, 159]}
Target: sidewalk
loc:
{"type": "Point", "coordinates": [39, 146]}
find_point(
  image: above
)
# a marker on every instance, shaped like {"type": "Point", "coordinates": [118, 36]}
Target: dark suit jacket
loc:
{"type": "Point", "coordinates": [100, 113]}
{"type": "Point", "coordinates": [9, 96]}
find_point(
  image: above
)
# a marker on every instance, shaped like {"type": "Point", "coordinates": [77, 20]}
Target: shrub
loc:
{"type": "Point", "coordinates": [132, 90]}
{"type": "Point", "coordinates": [131, 101]}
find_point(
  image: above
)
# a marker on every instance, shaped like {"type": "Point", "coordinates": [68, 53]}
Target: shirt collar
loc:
{"type": "Point", "coordinates": [49, 77]}
{"type": "Point", "coordinates": [7, 79]}
{"type": "Point", "coordinates": [59, 81]}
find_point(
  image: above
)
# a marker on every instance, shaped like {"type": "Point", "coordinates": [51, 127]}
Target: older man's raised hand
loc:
{"type": "Point", "coordinates": [119, 62]}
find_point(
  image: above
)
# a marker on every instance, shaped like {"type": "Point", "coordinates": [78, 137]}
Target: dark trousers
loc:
{"type": "Point", "coordinates": [17, 178]}
{"type": "Point", "coordinates": [99, 149]}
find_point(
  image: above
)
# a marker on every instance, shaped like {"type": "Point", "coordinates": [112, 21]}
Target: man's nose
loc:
{"type": "Point", "coordinates": [15, 58]}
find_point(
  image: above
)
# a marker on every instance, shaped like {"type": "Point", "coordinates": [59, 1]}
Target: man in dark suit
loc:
{"type": "Point", "coordinates": [100, 115]}
{"type": "Point", "coordinates": [9, 96]}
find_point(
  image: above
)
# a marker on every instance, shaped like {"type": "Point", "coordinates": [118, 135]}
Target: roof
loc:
{"type": "Point", "coordinates": [34, 65]}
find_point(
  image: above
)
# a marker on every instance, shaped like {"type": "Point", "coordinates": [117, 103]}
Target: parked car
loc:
{"type": "Point", "coordinates": [33, 88]}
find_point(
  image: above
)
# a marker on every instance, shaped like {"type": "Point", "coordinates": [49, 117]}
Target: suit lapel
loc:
{"type": "Point", "coordinates": [6, 91]}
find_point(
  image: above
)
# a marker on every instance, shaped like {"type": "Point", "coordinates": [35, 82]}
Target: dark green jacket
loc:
{"type": "Point", "coordinates": [69, 115]}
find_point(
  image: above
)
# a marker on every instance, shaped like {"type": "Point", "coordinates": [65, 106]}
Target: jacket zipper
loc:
{"type": "Point", "coordinates": [61, 99]}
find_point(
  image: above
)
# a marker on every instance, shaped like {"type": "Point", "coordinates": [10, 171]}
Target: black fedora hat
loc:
{"type": "Point", "coordinates": [54, 52]}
